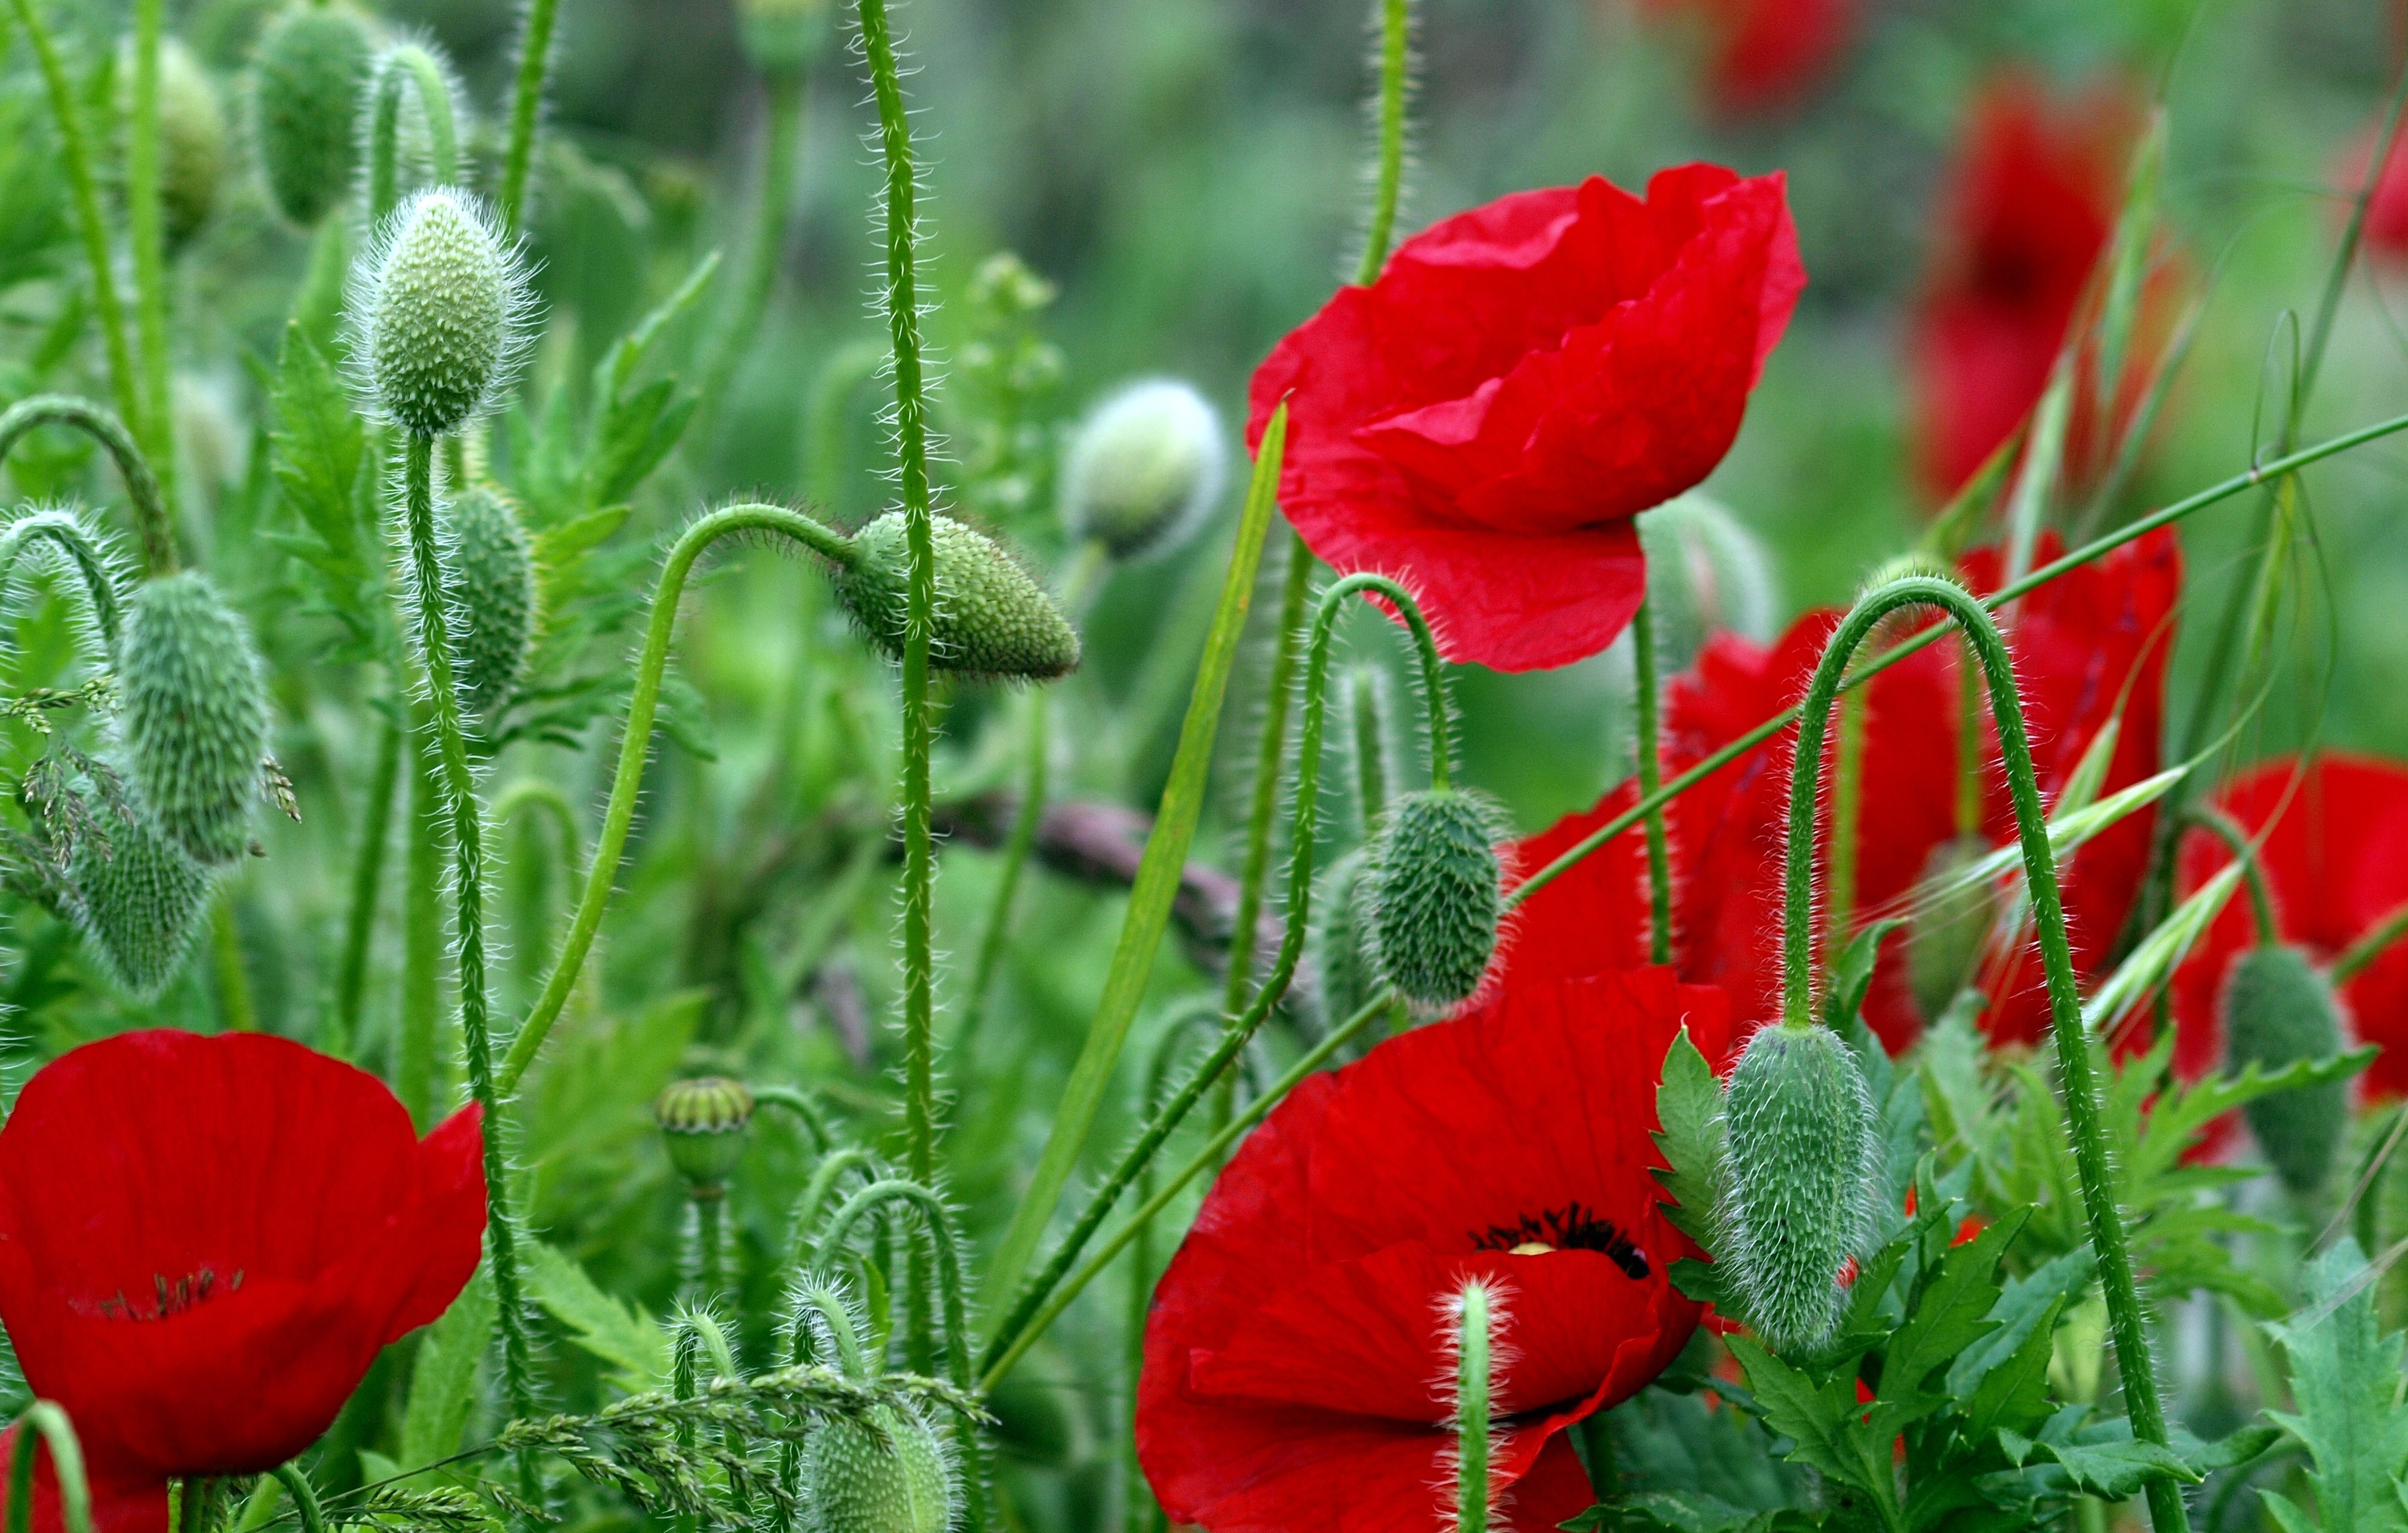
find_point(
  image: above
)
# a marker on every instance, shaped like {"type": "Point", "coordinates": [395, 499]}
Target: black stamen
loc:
{"type": "Point", "coordinates": [1571, 1227]}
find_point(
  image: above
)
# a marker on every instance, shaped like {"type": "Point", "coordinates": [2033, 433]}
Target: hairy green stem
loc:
{"type": "Point", "coordinates": [526, 107]}
{"type": "Point", "coordinates": [2371, 946]}
{"type": "Point", "coordinates": [416, 1064]}
{"type": "Point", "coordinates": [1651, 773]}
{"type": "Point", "coordinates": [152, 524]}
{"type": "Point", "coordinates": [147, 233]}
{"type": "Point", "coordinates": [414, 66]}
{"type": "Point", "coordinates": [1847, 813]}
{"type": "Point", "coordinates": [1270, 760]}
{"type": "Point", "coordinates": [296, 1481]}
{"type": "Point", "coordinates": [45, 1424]}
{"type": "Point", "coordinates": [1471, 1353]}
{"type": "Point", "coordinates": [1371, 750]}
{"type": "Point", "coordinates": [235, 1012]}
{"type": "Point", "coordinates": [2127, 1321]}
{"type": "Point", "coordinates": [804, 1111]}
{"type": "Point", "coordinates": [367, 883]}
{"type": "Point", "coordinates": [710, 1245]}
{"type": "Point", "coordinates": [1396, 65]}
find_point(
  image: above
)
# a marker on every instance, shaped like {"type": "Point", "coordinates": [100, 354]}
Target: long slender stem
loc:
{"type": "Point", "coordinates": [148, 232]}
{"type": "Point", "coordinates": [75, 154]}
{"type": "Point", "coordinates": [710, 1241]}
{"type": "Point", "coordinates": [1270, 760]}
{"type": "Point", "coordinates": [2244, 852]}
{"type": "Point", "coordinates": [1650, 772]}
{"type": "Point", "coordinates": [1396, 69]}
{"type": "Point", "coordinates": [782, 145]}
{"type": "Point", "coordinates": [416, 1066]}
{"type": "Point", "coordinates": [2370, 947]}
{"type": "Point", "coordinates": [526, 107]}
{"type": "Point", "coordinates": [152, 523]}
{"type": "Point", "coordinates": [1038, 712]}
{"type": "Point", "coordinates": [2127, 1321]}
{"type": "Point", "coordinates": [1471, 1409]}
{"type": "Point", "coordinates": [368, 884]}
{"type": "Point", "coordinates": [235, 1011]}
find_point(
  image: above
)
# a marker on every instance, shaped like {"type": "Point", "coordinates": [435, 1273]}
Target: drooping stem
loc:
{"type": "Point", "coordinates": [1471, 1354]}
{"type": "Point", "coordinates": [148, 232]}
{"type": "Point", "coordinates": [151, 522]}
{"type": "Point", "coordinates": [43, 1425]}
{"type": "Point", "coordinates": [781, 146]}
{"type": "Point", "coordinates": [803, 1108]}
{"type": "Point", "coordinates": [526, 108]}
{"type": "Point", "coordinates": [413, 66]}
{"type": "Point", "coordinates": [296, 1481]}
{"type": "Point", "coordinates": [1370, 749]}
{"type": "Point", "coordinates": [74, 155]}
{"type": "Point", "coordinates": [368, 885]}
{"type": "Point", "coordinates": [1650, 772]}
{"type": "Point", "coordinates": [2083, 1115]}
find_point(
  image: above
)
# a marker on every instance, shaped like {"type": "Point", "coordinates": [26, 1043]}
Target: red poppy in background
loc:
{"type": "Point", "coordinates": [204, 1242]}
{"type": "Point", "coordinates": [1762, 55]}
{"type": "Point", "coordinates": [1483, 422]}
{"type": "Point", "coordinates": [2029, 208]}
{"type": "Point", "coordinates": [2385, 233]}
{"type": "Point", "coordinates": [136, 1506]}
{"type": "Point", "coordinates": [2085, 645]}
{"type": "Point", "coordinates": [2336, 865]}
{"type": "Point", "coordinates": [1294, 1351]}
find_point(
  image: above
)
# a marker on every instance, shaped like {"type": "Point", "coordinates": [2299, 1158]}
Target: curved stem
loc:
{"type": "Point", "coordinates": [800, 1248]}
{"type": "Point", "coordinates": [75, 154]}
{"type": "Point", "coordinates": [76, 544]}
{"type": "Point", "coordinates": [806, 1112]}
{"type": "Point", "coordinates": [44, 1420]}
{"type": "Point", "coordinates": [413, 66]}
{"type": "Point", "coordinates": [644, 701]}
{"type": "Point", "coordinates": [151, 522]}
{"type": "Point", "coordinates": [1038, 709]}
{"type": "Point", "coordinates": [812, 1296]}
{"type": "Point", "coordinates": [296, 1481]}
{"type": "Point", "coordinates": [526, 107]}
{"type": "Point", "coordinates": [2220, 824]}
{"type": "Point", "coordinates": [149, 239]}
{"type": "Point", "coordinates": [2083, 1112]}
{"type": "Point", "coordinates": [367, 883]}
{"type": "Point", "coordinates": [1650, 772]}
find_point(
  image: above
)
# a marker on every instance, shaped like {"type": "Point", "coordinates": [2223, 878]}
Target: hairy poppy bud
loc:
{"type": "Point", "coordinates": [885, 1471]}
{"type": "Point", "coordinates": [438, 308]}
{"type": "Point", "coordinates": [192, 136]}
{"type": "Point", "coordinates": [1950, 925]}
{"type": "Point", "coordinates": [782, 36]}
{"type": "Point", "coordinates": [1802, 1156]}
{"type": "Point", "coordinates": [308, 75]}
{"type": "Point", "coordinates": [703, 1122]}
{"type": "Point", "coordinates": [1706, 573]}
{"type": "Point", "coordinates": [2277, 1011]}
{"type": "Point", "coordinates": [1435, 891]}
{"type": "Point", "coordinates": [196, 713]}
{"type": "Point", "coordinates": [1341, 946]}
{"type": "Point", "coordinates": [991, 620]}
{"type": "Point", "coordinates": [490, 572]}
{"type": "Point", "coordinates": [139, 899]}
{"type": "Point", "coordinates": [1144, 469]}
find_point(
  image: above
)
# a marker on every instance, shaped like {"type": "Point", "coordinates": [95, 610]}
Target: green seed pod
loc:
{"type": "Point", "coordinates": [1803, 1154]}
{"type": "Point", "coordinates": [194, 717]}
{"type": "Point", "coordinates": [192, 136]}
{"type": "Point", "coordinates": [703, 1124]}
{"type": "Point", "coordinates": [1435, 892]}
{"type": "Point", "coordinates": [1341, 954]}
{"type": "Point", "coordinates": [1706, 573]}
{"type": "Point", "coordinates": [308, 75]}
{"type": "Point", "coordinates": [1145, 468]}
{"type": "Point", "coordinates": [1950, 926]}
{"type": "Point", "coordinates": [991, 620]}
{"type": "Point", "coordinates": [2277, 1011]}
{"type": "Point", "coordinates": [139, 900]}
{"type": "Point", "coordinates": [886, 1472]}
{"type": "Point", "coordinates": [438, 311]}
{"type": "Point", "coordinates": [782, 37]}
{"type": "Point", "coordinates": [489, 570]}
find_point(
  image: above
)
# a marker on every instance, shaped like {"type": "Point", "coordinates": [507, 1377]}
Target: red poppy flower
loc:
{"type": "Point", "coordinates": [2336, 865]}
{"type": "Point", "coordinates": [1483, 422]}
{"type": "Point", "coordinates": [2385, 232]}
{"type": "Point", "coordinates": [1295, 1342]}
{"type": "Point", "coordinates": [2085, 645]}
{"type": "Point", "coordinates": [2031, 206]}
{"type": "Point", "coordinates": [204, 1242]}
{"type": "Point", "coordinates": [1762, 55]}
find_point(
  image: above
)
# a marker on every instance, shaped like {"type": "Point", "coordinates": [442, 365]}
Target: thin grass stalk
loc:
{"type": "Point", "coordinates": [782, 147]}
{"type": "Point", "coordinates": [146, 231]}
{"type": "Point", "coordinates": [526, 108]}
{"type": "Point", "coordinates": [368, 884]}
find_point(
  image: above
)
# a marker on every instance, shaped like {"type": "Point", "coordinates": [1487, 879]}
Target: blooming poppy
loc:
{"type": "Point", "coordinates": [2385, 232]}
{"type": "Point", "coordinates": [204, 1242]}
{"type": "Point", "coordinates": [2087, 647]}
{"type": "Point", "coordinates": [2336, 865]}
{"type": "Point", "coordinates": [1762, 55]}
{"type": "Point", "coordinates": [1483, 422]}
{"type": "Point", "coordinates": [1295, 1342]}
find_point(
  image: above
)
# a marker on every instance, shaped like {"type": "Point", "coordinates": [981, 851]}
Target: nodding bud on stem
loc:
{"type": "Point", "coordinates": [489, 577]}
{"type": "Point", "coordinates": [881, 1471]}
{"type": "Point", "coordinates": [782, 36]}
{"type": "Point", "coordinates": [1435, 890]}
{"type": "Point", "coordinates": [1475, 1330]}
{"type": "Point", "coordinates": [2278, 1011]}
{"type": "Point", "coordinates": [308, 75]}
{"type": "Point", "coordinates": [1803, 1153]}
{"type": "Point", "coordinates": [990, 619]}
{"type": "Point", "coordinates": [1950, 926]}
{"type": "Point", "coordinates": [192, 136]}
{"type": "Point", "coordinates": [437, 310]}
{"type": "Point", "coordinates": [703, 1122]}
{"type": "Point", "coordinates": [139, 898]}
{"type": "Point", "coordinates": [1144, 469]}
{"type": "Point", "coordinates": [1341, 954]}
{"type": "Point", "coordinates": [1706, 572]}
{"type": "Point", "coordinates": [194, 716]}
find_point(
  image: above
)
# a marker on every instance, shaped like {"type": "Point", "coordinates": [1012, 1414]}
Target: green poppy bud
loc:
{"type": "Point", "coordinates": [1342, 954]}
{"type": "Point", "coordinates": [1435, 891]}
{"type": "Point", "coordinates": [139, 899]}
{"type": "Point", "coordinates": [703, 1124]}
{"type": "Point", "coordinates": [192, 136]}
{"type": "Point", "coordinates": [1803, 1153]}
{"type": "Point", "coordinates": [886, 1472]}
{"type": "Point", "coordinates": [438, 311]}
{"type": "Point", "coordinates": [490, 572]}
{"type": "Point", "coordinates": [782, 36]}
{"type": "Point", "coordinates": [1144, 469]}
{"type": "Point", "coordinates": [1950, 926]}
{"type": "Point", "coordinates": [2277, 1011]}
{"type": "Point", "coordinates": [1706, 574]}
{"type": "Point", "coordinates": [991, 620]}
{"type": "Point", "coordinates": [194, 714]}
{"type": "Point", "coordinates": [308, 77]}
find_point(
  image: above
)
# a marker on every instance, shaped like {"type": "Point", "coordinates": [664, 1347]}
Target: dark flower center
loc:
{"type": "Point", "coordinates": [168, 1298]}
{"type": "Point", "coordinates": [1571, 1227]}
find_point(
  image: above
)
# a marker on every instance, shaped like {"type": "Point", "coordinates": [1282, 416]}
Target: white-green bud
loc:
{"type": "Point", "coordinates": [137, 900]}
{"type": "Point", "coordinates": [1342, 954]}
{"type": "Point", "coordinates": [194, 716]}
{"type": "Point", "coordinates": [883, 1472]}
{"type": "Point", "coordinates": [990, 619]}
{"type": "Point", "coordinates": [1145, 468]}
{"type": "Point", "coordinates": [192, 136]}
{"type": "Point", "coordinates": [489, 576]}
{"type": "Point", "coordinates": [438, 311]}
{"type": "Point", "coordinates": [1706, 573]}
{"type": "Point", "coordinates": [1435, 893]}
{"type": "Point", "coordinates": [2278, 1011]}
{"type": "Point", "coordinates": [308, 72]}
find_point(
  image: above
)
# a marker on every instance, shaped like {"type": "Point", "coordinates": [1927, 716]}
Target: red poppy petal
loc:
{"type": "Point", "coordinates": [446, 1238]}
{"type": "Point", "coordinates": [1553, 1492]}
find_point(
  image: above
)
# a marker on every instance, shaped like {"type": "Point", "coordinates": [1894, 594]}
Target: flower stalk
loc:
{"type": "Point", "coordinates": [526, 108]}
{"type": "Point", "coordinates": [1651, 773]}
{"type": "Point", "coordinates": [1472, 1342]}
{"type": "Point", "coordinates": [145, 228]}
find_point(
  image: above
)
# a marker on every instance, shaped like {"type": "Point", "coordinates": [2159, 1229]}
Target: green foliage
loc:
{"type": "Point", "coordinates": [631, 1342]}
{"type": "Point", "coordinates": [991, 620]}
{"type": "Point", "coordinates": [194, 719]}
{"type": "Point", "coordinates": [1433, 893]}
{"type": "Point", "coordinates": [325, 478]}
{"type": "Point", "coordinates": [1803, 1163]}
{"type": "Point", "coordinates": [308, 73]}
{"type": "Point", "coordinates": [2345, 1378]}
{"type": "Point", "coordinates": [2279, 1010]}
{"type": "Point", "coordinates": [443, 1379]}
{"type": "Point", "coordinates": [1952, 928]}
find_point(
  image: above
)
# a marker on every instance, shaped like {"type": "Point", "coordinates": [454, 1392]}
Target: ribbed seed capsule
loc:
{"type": "Point", "coordinates": [1433, 891]}
{"type": "Point", "coordinates": [194, 715]}
{"type": "Point", "coordinates": [1341, 946]}
{"type": "Point", "coordinates": [882, 1472]}
{"type": "Point", "coordinates": [139, 900]}
{"type": "Point", "coordinates": [308, 75]}
{"type": "Point", "coordinates": [192, 136]}
{"type": "Point", "coordinates": [437, 309]}
{"type": "Point", "coordinates": [703, 1122]}
{"type": "Point", "coordinates": [490, 577]}
{"type": "Point", "coordinates": [1802, 1158]}
{"type": "Point", "coordinates": [1144, 469]}
{"type": "Point", "coordinates": [1950, 925]}
{"type": "Point", "coordinates": [2277, 1011]}
{"type": "Point", "coordinates": [990, 619]}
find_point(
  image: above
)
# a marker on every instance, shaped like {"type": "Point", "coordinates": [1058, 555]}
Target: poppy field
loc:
{"type": "Point", "coordinates": [1439, 766]}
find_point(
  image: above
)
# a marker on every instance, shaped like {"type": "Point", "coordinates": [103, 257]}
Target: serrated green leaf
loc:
{"type": "Point", "coordinates": [2225, 1453]}
{"type": "Point", "coordinates": [2013, 1394]}
{"type": "Point", "coordinates": [1822, 1421]}
{"type": "Point", "coordinates": [1952, 1313]}
{"type": "Point", "coordinates": [2115, 1470]}
{"type": "Point", "coordinates": [2346, 1380]}
{"type": "Point", "coordinates": [319, 446]}
{"type": "Point", "coordinates": [443, 1379]}
{"type": "Point", "coordinates": [2027, 1302]}
{"type": "Point", "coordinates": [635, 433]}
{"type": "Point", "coordinates": [618, 1333]}
{"type": "Point", "coordinates": [1689, 1106]}
{"type": "Point", "coordinates": [618, 367]}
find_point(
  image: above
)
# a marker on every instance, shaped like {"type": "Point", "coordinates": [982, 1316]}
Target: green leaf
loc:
{"type": "Point", "coordinates": [2012, 1394]}
{"type": "Point", "coordinates": [1689, 1105]}
{"type": "Point", "coordinates": [1951, 1315]}
{"type": "Point", "coordinates": [2225, 1453]}
{"type": "Point", "coordinates": [1847, 977]}
{"type": "Point", "coordinates": [443, 1381]}
{"type": "Point", "coordinates": [319, 445]}
{"type": "Point", "coordinates": [617, 368]}
{"type": "Point", "coordinates": [1822, 1421]}
{"type": "Point", "coordinates": [635, 435]}
{"type": "Point", "coordinates": [2344, 1378]}
{"type": "Point", "coordinates": [2030, 1305]}
{"type": "Point", "coordinates": [618, 1333]}
{"type": "Point", "coordinates": [2114, 1470]}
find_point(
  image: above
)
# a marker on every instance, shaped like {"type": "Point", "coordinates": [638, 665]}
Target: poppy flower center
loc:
{"type": "Point", "coordinates": [1571, 1227]}
{"type": "Point", "coordinates": [167, 1297]}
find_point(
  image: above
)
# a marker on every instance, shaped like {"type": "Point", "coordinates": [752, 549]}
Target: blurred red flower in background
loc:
{"type": "Point", "coordinates": [1293, 1354]}
{"type": "Point", "coordinates": [203, 1242]}
{"type": "Point", "coordinates": [1761, 56]}
{"type": "Point", "coordinates": [2086, 647]}
{"type": "Point", "coordinates": [1483, 422]}
{"type": "Point", "coordinates": [2336, 865]}
{"type": "Point", "coordinates": [2385, 233]}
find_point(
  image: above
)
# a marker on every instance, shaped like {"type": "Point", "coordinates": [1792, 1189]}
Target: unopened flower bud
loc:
{"type": "Point", "coordinates": [704, 1122]}
{"type": "Point", "coordinates": [1341, 945]}
{"type": "Point", "coordinates": [782, 36]}
{"type": "Point", "coordinates": [2278, 1011]}
{"type": "Point", "coordinates": [192, 136]}
{"type": "Point", "coordinates": [1436, 890]}
{"type": "Point", "coordinates": [1950, 926]}
{"type": "Point", "coordinates": [437, 309]}
{"type": "Point", "coordinates": [138, 898]}
{"type": "Point", "coordinates": [990, 619]}
{"type": "Point", "coordinates": [194, 716]}
{"type": "Point", "coordinates": [885, 1471]}
{"type": "Point", "coordinates": [490, 573]}
{"type": "Point", "coordinates": [1803, 1153]}
{"type": "Point", "coordinates": [308, 73]}
{"type": "Point", "coordinates": [1706, 574]}
{"type": "Point", "coordinates": [1145, 468]}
